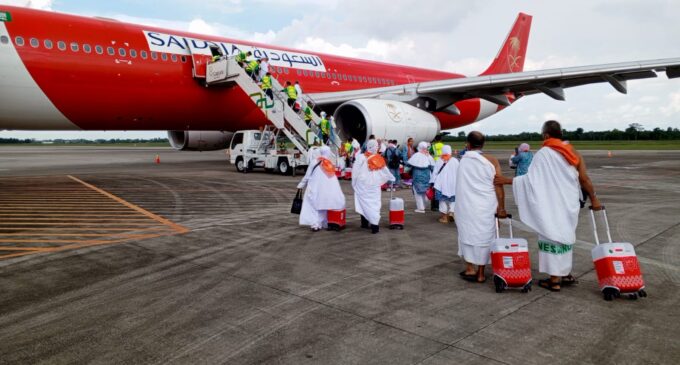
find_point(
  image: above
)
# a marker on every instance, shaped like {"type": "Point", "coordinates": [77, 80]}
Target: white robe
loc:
{"type": "Point", "coordinates": [475, 209]}
{"type": "Point", "coordinates": [444, 179]}
{"type": "Point", "coordinates": [547, 198]}
{"type": "Point", "coordinates": [367, 193]}
{"type": "Point", "coordinates": [312, 155]}
{"type": "Point", "coordinates": [323, 193]}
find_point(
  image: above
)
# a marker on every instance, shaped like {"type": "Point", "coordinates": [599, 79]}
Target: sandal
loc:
{"type": "Point", "coordinates": [548, 284]}
{"type": "Point", "coordinates": [468, 277]}
{"type": "Point", "coordinates": [569, 280]}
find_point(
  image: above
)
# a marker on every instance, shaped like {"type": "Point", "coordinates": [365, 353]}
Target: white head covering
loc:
{"type": "Point", "coordinates": [446, 150]}
{"type": "Point", "coordinates": [524, 147]}
{"type": "Point", "coordinates": [323, 114]}
{"type": "Point", "coordinates": [421, 158]}
{"type": "Point", "coordinates": [325, 151]}
{"type": "Point", "coordinates": [372, 146]}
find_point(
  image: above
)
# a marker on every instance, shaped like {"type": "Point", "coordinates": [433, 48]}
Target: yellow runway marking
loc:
{"type": "Point", "coordinates": [41, 215]}
{"type": "Point", "coordinates": [175, 226]}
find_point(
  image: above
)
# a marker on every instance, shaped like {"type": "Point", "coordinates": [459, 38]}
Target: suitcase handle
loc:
{"type": "Point", "coordinates": [498, 230]}
{"type": "Point", "coordinates": [606, 224]}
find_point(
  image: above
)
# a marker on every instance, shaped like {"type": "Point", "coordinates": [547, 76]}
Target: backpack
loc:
{"type": "Point", "coordinates": [393, 160]}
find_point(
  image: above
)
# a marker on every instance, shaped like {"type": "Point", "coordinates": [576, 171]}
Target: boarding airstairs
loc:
{"type": "Point", "coordinates": [227, 71]}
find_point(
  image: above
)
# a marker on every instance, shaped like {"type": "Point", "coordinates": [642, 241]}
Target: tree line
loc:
{"type": "Point", "coordinates": [81, 141]}
{"type": "Point", "coordinates": [634, 132]}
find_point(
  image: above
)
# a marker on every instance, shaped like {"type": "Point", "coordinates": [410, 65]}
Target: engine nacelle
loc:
{"type": "Point", "coordinates": [385, 119]}
{"type": "Point", "coordinates": [199, 140]}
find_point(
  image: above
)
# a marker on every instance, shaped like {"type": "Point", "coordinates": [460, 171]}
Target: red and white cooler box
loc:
{"type": "Point", "coordinates": [348, 173]}
{"type": "Point", "coordinates": [396, 213]}
{"type": "Point", "coordinates": [339, 173]}
{"type": "Point", "coordinates": [617, 266]}
{"type": "Point", "coordinates": [510, 261]}
{"type": "Point", "coordinates": [337, 219]}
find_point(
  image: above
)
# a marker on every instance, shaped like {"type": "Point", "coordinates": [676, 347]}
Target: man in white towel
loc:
{"type": "Point", "coordinates": [548, 201]}
{"type": "Point", "coordinates": [444, 180]}
{"type": "Point", "coordinates": [478, 200]}
{"type": "Point", "coordinates": [369, 174]}
{"type": "Point", "coordinates": [323, 192]}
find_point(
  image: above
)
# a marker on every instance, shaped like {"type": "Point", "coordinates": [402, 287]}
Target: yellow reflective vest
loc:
{"type": "Point", "coordinates": [308, 114]}
{"type": "Point", "coordinates": [325, 126]}
{"type": "Point", "coordinates": [241, 57]}
{"type": "Point", "coordinates": [437, 149]}
{"type": "Point", "coordinates": [266, 82]}
{"type": "Point", "coordinates": [292, 93]}
{"type": "Point", "coordinates": [252, 66]}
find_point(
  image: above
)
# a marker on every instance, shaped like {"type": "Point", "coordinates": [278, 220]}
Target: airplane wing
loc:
{"type": "Point", "coordinates": [497, 88]}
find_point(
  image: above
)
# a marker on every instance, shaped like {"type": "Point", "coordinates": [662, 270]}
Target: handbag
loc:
{"type": "Point", "coordinates": [297, 203]}
{"type": "Point", "coordinates": [429, 193]}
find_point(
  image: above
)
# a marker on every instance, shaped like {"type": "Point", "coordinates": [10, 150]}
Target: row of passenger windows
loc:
{"type": "Point", "coordinates": [122, 52]}
{"type": "Point", "coordinates": [345, 77]}
{"type": "Point", "coordinates": [111, 51]}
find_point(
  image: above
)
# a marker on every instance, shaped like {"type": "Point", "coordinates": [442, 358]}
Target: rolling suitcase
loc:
{"type": "Point", "coordinates": [617, 266]}
{"type": "Point", "coordinates": [510, 261]}
{"type": "Point", "coordinates": [348, 173]}
{"type": "Point", "coordinates": [396, 213]}
{"type": "Point", "coordinates": [337, 219]}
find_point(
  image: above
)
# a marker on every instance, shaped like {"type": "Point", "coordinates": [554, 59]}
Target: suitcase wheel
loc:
{"type": "Point", "coordinates": [499, 284]}
{"type": "Point", "coordinates": [527, 288]}
{"type": "Point", "coordinates": [633, 296]}
{"type": "Point", "coordinates": [642, 293]}
{"type": "Point", "coordinates": [610, 293]}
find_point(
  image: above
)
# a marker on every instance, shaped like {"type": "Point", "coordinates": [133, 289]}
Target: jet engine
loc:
{"type": "Point", "coordinates": [199, 140]}
{"type": "Point", "coordinates": [386, 119]}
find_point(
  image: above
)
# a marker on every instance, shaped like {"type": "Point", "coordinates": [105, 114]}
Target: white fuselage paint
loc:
{"type": "Point", "coordinates": [486, 109]}
{"type": "Point", "coordinates": [23, 105]}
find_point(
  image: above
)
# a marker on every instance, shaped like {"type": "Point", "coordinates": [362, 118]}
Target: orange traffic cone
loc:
{"type": "Point", "coordinates": [157, 159]}
{"type": "Point", "coordinates": [609, 154]}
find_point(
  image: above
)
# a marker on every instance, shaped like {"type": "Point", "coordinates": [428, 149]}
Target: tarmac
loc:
{"type": "Point", "coordinates": [107, 257]}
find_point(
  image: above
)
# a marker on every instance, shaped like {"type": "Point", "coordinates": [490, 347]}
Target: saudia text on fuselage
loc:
{"type": "Point", "coordinates": [168, 43]}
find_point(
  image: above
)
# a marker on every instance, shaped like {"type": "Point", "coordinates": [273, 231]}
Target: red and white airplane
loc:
{"type": "Point", "coordinates": [66, 72]}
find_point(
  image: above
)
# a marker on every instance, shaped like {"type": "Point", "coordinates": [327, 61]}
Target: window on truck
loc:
{"type": "Point", "coordinates": [238, 138]}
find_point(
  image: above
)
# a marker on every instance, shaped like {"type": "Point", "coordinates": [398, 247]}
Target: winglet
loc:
{"type": "Point", "coordinates": [511, 56]}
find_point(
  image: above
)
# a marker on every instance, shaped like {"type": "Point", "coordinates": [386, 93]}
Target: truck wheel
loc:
{"type": "Point", "coordinates": [240, 165]}
{"type": "Point", "coordinates": [284, 167]}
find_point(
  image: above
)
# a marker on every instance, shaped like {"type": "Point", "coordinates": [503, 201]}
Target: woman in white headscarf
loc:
{"type": "Point", "coordinates": [323, 192]}
{"type": "Point", "coordinates": [444, 180]}
{"type": "Point", "coordinates": [421, 164]}
{"type": "Point", "coordinates": [370, 172]}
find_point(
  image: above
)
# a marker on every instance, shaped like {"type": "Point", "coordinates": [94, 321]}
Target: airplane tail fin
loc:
{"type": "Point", "coordinates": [512, 54]}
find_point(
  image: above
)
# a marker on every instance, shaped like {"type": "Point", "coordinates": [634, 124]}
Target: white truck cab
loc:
{"type": "Point", "coordinates": [264, 149]}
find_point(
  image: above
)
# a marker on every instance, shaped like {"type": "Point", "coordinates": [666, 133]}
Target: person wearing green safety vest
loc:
{"type": "Point", "coordinates": [292, 94]}
{"type": "Point", "coordinates": [267, 85]}
{"type": "Point", "coordinates": [348, 152]}
{"type": "Point", "coordinates": [241, 57]}
{"type": "Point", "coordinates": [437, 147]}
{"type": "Point", "coordinates": [253, 69]}
{"type": "Point", "coordinates": [325, 126]}
{"type": "Point", "coordinates": [308, 114]}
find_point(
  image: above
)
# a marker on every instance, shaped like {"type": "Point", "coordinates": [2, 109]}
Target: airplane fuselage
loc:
{"type": "Point", "coordinates": [60, 72]}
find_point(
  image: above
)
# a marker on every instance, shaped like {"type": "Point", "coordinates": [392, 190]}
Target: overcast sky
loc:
{"type": "Point", "coordinates": [458, 36]}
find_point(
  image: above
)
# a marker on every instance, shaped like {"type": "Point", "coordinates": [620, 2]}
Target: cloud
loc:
{"type": "Point", "coordinates": [35, 4]}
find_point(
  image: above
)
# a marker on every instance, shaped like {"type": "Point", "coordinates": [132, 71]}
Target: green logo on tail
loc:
{"type": "Point", "coordinates": [5, 16]}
